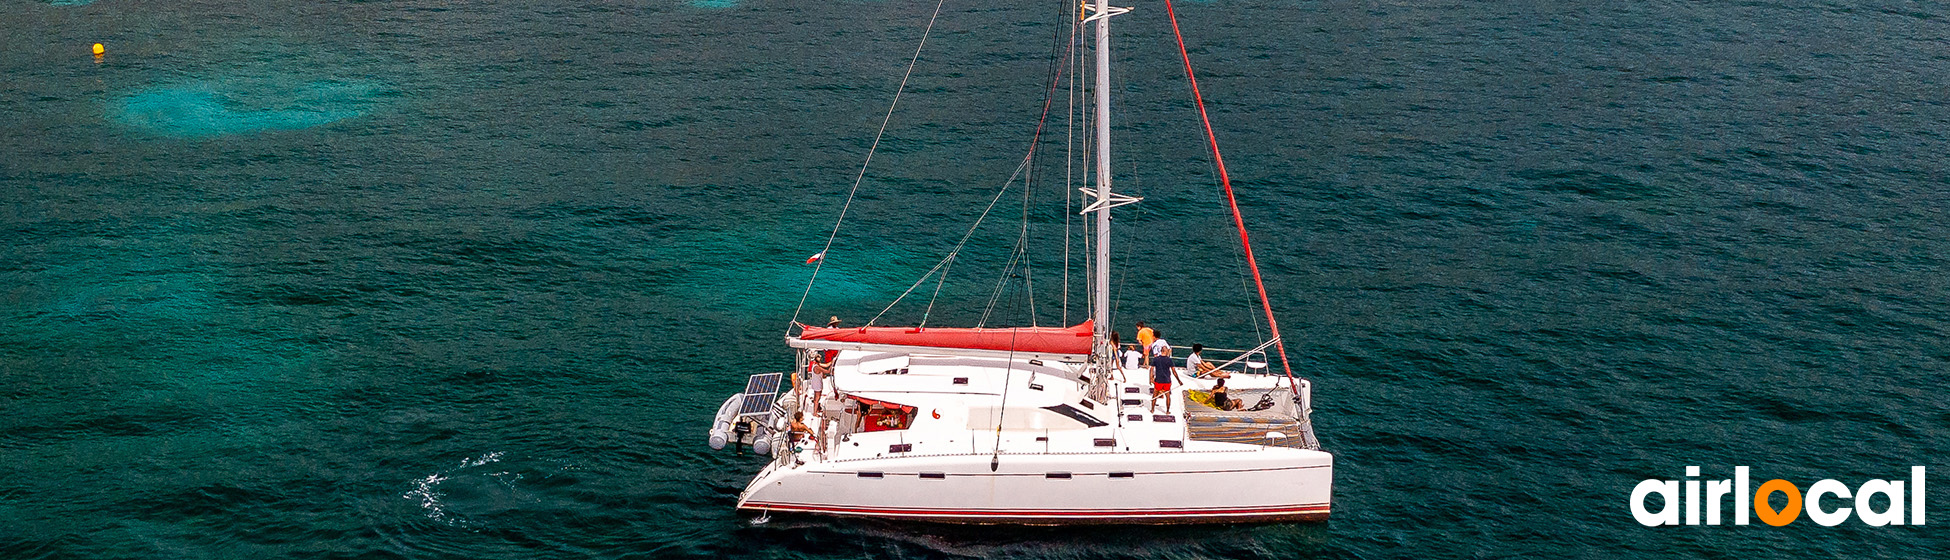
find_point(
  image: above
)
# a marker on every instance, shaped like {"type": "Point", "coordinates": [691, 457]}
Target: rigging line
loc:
{"type": "Point", "coordinates": [1022, 170]}
{"type": "Point", "coordinates": [1019, 254]}
{"type": "Point", "coordinates": [1245, 283]}
{"type": "Point", "coordinates": [965, 236]}
{"type": "Point", "coordinates": [1055, 77]}
{"type": "Point", "coordinates": [1247, 287]}
{"type": "Point", "coordinates": [1086, 116]}
{"type": "Point", "coordinates": [857, 179]}
{"type": "Point", "coordinates": [1000, 283]}
{"type": "Point", "coordinates": [1002, 406]}
{"type": "Point", "coordinates": [910, 289]}
{"type": "Point", "coordinates": [1022, 247]}
{"type": "Point", "coordinates": [1232, 201]}
{"type": "Point", "coordinates": [1022, 239]}
{"type": "Point", "coordinates": [1069, 156]}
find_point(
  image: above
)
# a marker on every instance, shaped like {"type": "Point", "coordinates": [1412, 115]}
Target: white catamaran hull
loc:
{"type": "Point", "coordinates": [1246, 485]}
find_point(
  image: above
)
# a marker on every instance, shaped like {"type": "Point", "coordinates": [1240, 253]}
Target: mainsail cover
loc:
{"type": "Point", "coordinates": [1044, 340]}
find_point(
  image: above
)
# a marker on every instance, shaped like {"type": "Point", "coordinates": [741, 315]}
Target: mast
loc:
{"type": "Point", "coordinates": [1100, 289]}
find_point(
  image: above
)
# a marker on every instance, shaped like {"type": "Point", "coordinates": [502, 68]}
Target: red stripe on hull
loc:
{"type": "Point", "coordinates": [1313, 512]}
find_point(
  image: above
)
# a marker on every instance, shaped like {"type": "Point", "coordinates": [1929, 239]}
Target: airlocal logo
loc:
{"type": "Point", "coordinates": [1716, 491]}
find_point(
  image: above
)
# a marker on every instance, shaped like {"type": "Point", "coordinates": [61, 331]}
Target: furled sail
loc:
{"type": "Point", "coordinates": [1046, 340]}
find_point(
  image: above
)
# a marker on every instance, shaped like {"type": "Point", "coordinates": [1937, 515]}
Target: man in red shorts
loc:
{"type": "Point", "coordinates": [1161, 379]}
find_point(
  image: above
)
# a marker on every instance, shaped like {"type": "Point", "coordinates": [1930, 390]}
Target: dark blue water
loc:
{"type": "Point", "coordinates": [430, 279]}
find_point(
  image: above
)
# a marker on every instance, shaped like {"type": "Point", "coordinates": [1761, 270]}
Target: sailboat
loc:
{"type": "Point", "coordinates": [1030, 425]}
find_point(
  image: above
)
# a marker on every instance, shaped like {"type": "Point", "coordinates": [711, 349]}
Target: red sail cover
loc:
{"type": "Point", "coordinates": [1045, 340]}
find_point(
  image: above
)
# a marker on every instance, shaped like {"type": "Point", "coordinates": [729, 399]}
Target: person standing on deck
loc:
{"type": "Point", "coordinates": [1161, 379]}
{"type": "Point", "coordinates": [1158, 345]}
{"type": "Point", "coordinates": [1144, 337]}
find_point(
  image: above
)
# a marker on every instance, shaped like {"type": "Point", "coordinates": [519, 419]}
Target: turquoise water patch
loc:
{"type": "Point", "coordinates": [70, 2]}
{"type": "Point", "coordinates": [714, 3]}
{"type": "Point", "coordinates": [213, 108]}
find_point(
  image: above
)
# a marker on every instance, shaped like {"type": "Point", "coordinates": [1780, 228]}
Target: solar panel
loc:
{"type": "Point", "coordinates": [760, 391]}
{"type": "Point", "coordinates": [764, 383]}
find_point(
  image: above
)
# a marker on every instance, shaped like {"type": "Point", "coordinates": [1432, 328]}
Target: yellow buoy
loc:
{"type": "Point", "coordinates": [99, 49]}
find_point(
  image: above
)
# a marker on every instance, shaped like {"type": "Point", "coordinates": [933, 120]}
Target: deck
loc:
{"type": "Point", "coordinates": [1205, 423]}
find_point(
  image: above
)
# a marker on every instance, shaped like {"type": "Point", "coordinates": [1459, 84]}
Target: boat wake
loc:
{"type": "Point", "coordinates": [429, 492]}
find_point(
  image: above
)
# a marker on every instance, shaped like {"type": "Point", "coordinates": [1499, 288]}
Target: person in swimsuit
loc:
{"type": "Point", "coordinates": [1220, 400]}
{"type": "Point", "coordinates": [799, 429]}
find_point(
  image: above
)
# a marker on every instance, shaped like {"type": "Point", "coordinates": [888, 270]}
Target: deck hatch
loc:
{"type": "Point", "coordinates": [1077, 415]}
{"type": "Point", "coordinates": [900, 448]}
{"type": "Point", "coordinates": [1171, 444]}
{"type": "Point", "coordinates": [1166, 418]}
{"type": "Point", "coordinates": [1105, 442]}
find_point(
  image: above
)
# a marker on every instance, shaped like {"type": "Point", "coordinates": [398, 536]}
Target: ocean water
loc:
{"type": "Point", "coordinates": [430, 280]}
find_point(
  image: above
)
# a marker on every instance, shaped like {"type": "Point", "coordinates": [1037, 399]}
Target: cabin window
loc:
{"type": "Point", "coordinates": [1122, 474]}
{"type": "Point", "coordinates": [877, 416]}
{"type": "Point", "coordinates": [1062, 475]}
{"type": "Point", "coordinates": [934, 475]}
{"type": "Point", "coordinates": [1077, 415]}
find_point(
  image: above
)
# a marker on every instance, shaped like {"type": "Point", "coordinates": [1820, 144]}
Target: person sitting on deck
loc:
{"type": "Point", "coordinates": [1161, 379]}
{"type": "Point", "coordinates": [799, 429]}
{"type": "Point", "coordinates": [1132, 358]}
{"type": "Point", "coordinates": [1220, 400]}
{"type": "Point", "coordinates": [1196, 364]}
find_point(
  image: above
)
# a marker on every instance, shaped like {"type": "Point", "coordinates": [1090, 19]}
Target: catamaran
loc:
{"type": "Point", "coordinates": [1031, 425]}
